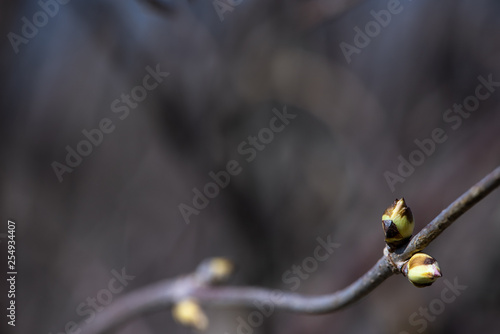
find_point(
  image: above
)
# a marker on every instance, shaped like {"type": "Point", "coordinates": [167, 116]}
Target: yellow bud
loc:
{"type": "Point", "coordinates": [189, 313]}
{"type": "Point", "coordinates": [221, 268]}
{"type": "Point", "coordinates": [215, 270]}
{"type": "Point", "coordinates": [422, 270]}
{"type": "Point", "coordinates": [398, 224]}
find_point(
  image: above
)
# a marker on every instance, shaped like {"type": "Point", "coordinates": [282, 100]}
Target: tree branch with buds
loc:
{"type": "Point", "coordinates": [185, 294]}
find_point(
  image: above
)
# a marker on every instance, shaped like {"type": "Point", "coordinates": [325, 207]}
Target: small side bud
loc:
{"type": "Point", "coordinates": [422, 270]}
{"type": "Point", "coordinates": [215, 270]}
{"type": "Point", "coordinates": [398, 224]}
{"type": "Point", "coordinates": [189, 313]}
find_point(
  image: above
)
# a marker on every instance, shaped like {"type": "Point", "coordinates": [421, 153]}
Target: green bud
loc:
{"type": "Point", "coordinates": [422, 270]}
{"type": "Point", "coordinates": [398, 224]}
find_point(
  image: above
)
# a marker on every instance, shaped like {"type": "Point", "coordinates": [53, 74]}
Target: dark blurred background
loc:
{"type": "Point", "coordinates": [323, 175]}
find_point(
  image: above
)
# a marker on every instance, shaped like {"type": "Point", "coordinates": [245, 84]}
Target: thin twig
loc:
{"type": "Point", "coordinates": [461, 205]}
{"type": "Point", "coordinates": [165, 293]}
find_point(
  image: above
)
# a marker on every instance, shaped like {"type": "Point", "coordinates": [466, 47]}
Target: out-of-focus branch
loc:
{"type": "Point", "coordinates": [316, 12]}
{"type": "Point", "coordinates": [199, 284]}
{"type": "Point", "coordinates": [166, 7]}
{"type": "Point", "coordinates": [310, 13]}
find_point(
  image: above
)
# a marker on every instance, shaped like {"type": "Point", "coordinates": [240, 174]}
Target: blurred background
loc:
{"type": "Point", "coordinates": [360, 81]}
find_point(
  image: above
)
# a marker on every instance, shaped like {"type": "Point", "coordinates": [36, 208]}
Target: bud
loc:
{"type": "Point", "coordinates": [422, 270]}
{"type": "Point", "coordinates": [189, 313]}
{"type": "Point", "coordinates": [215, 270]}
{"type": "Point", "coordinates": [398, 224]}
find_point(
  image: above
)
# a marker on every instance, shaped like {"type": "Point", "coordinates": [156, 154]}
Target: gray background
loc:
{"type": "Point", "coordinates": [323, 175]}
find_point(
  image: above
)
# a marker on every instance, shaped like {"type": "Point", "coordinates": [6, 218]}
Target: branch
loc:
{"type": "Point", "coordinates": [198, 285]}
{"type": "Point", "coordinates": [461, 205]}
